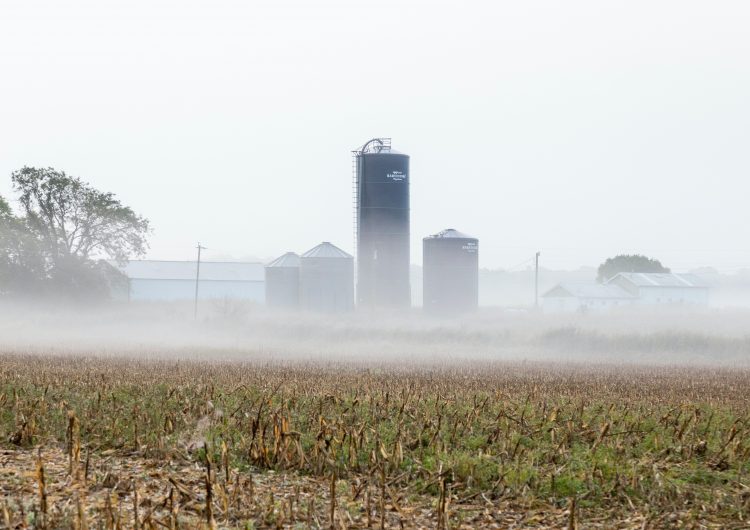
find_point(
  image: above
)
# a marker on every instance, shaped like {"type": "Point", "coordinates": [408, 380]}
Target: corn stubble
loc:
{"type": "Point", "coordinates": [347, 445]}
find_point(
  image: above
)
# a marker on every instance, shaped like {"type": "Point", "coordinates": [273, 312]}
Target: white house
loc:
{"type": "Point", "coordinates": [628, 288]}
{"type": "Point", "coordinates": [570, 297]}
{"type": "Point", "coordinates": [175, 280]}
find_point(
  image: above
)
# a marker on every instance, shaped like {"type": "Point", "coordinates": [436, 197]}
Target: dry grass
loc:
{"type": "Point", "coordinates": [90, 442]}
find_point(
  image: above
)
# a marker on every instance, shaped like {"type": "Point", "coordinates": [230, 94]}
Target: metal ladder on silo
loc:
{"type": "Point", "coordinates": [355, 199]}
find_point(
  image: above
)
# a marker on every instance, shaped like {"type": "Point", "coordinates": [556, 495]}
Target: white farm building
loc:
{"type": "Point", "coordinates": [569, 297]}
{"type": "Point", "coordinates": [628, 288]}
{"type": "Point", "coordinates": [175, 280]}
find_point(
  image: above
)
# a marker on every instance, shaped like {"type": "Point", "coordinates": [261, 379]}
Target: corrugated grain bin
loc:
{"type": "Point", "coordinates": [451, 273]}
{"type": "Point", "coordinates": [382, 183]}
{"type": "Point", "coordinates": [282, 282]}
{"type": "Point", "coordinates": [327, 279]}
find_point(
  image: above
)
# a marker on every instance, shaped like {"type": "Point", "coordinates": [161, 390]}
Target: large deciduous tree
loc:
{"type": "Point", "coordinates": [65, 231]}
{"type": "Point", "coordinates": [75, 220]}
{"type": "Point", "coordinates": [628, 263]}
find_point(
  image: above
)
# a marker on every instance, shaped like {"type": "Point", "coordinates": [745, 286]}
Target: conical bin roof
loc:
{"type": "Point", "coordinates": [326, 250]}
{"type": "Point", "coordinates": [290, 259]}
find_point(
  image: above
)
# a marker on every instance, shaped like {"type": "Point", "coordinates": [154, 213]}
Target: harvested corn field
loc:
{"type": "Point", "coordinates": [92, 442]}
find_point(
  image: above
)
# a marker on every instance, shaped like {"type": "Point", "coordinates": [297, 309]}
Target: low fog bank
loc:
{"type": "Point", "coordinates": [235, 331]}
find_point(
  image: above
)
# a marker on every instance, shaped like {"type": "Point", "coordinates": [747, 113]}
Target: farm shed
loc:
{"type": "Point", "coordinates": [175, 280]}
{"type": "Point", "coordinates": [664, 288]}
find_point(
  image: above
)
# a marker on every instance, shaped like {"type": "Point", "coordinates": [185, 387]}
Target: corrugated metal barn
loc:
{"type": "Point", "coordinates": [664, 288]}
{"type": "Point", "coordinates": [175, 280]}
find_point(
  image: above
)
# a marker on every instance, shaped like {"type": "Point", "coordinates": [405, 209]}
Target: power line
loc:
{"type": "Point", "coordinates": [524, 262]}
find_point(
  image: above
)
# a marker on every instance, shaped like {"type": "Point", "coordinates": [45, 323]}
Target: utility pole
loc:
{"type": "Point", "coordinates": [197, 279]}
{"type": "Point", "coordinates": [536, 280]}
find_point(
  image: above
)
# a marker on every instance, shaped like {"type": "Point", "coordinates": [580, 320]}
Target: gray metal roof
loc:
{"type": "Point", "coordinates": [656, 279]}
{"type": "Point", "coordinates": [589, 290]}
{"type": "Point", "coordinates": [290, 259]}
{"type": "Point", "coordinates": [326, 250]}
{"type": "Point", "coordinates": [185, 270]}
{"type": "Point", "coordinates": [451, 233]}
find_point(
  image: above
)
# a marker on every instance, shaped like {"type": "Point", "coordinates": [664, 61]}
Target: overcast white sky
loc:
{"type": "Point", "coordinates": [579, 128]}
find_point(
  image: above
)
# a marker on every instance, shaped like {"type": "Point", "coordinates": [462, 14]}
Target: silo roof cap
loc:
{"type": "Point", "coordinates": [326, 250]}
{"type": "Point", "coordinates": [290, 259]}
{"type": "Point", "coordinates": [451, 233]}
{"type": "Point", "coordinates": [385, 151]}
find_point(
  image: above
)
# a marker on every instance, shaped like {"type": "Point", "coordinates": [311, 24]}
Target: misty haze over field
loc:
{"type": "Point", "coordinates": [236, 331]}
{"type": "Point", "coordinates": [580, 131]}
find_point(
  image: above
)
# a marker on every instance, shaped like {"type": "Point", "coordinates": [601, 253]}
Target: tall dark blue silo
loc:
{"type": "Point", "coordinates": [382, 229]}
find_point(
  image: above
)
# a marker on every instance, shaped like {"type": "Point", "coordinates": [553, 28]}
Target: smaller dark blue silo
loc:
{"type": "Point", "coordinates": [450, 276]}
{"type": "Point", "coordinates": [282, 282]}
{"type": "Point", "coordinates": [326, 279]}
